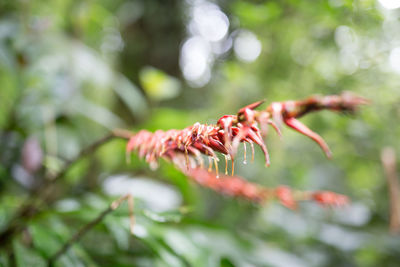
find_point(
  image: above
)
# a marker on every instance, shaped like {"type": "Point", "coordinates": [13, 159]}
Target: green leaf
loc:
{"type": "Point", "coordinates": [174, 216]}
{"type": "Point", "coordinates": [69, 259]}
{"type": "Point", "coordinates": [44, 240]}
{"type": "Point", "coordinates": [118, 231]}
{"type": "Point", "coordinates": [254, 15]}
{"type": "Point", "coordinates": [25, 256]}
{"type": "Point", "coordinates": [131, 96]}
{"type": "Point", "coordinates": [165, 119]}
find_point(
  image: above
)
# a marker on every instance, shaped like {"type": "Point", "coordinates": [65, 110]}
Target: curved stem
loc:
{"type": "Point", "coordinates": [32, 205]}
{"type": "Point", "coordinates": [86, 228]}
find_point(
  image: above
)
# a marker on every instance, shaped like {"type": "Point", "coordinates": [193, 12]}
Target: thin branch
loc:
{"type": "Point", "coordinates": [388, 158]}
{"type": "Point", "coordinates": [43, 193]}
{"type": "Point", "coordinates": [84, 152]}
{"type": "Point", "coordinates": [117, 133]}
{"type": "Point", "coordinates": [78, 235]}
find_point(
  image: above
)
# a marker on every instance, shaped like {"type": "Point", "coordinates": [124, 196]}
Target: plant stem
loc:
{"type": "Point", "coordinates": [78, 235]}
{"type": "Point", "coordinates": [37, 198]}
{"type": "Point", "coordinates": [388, 158]}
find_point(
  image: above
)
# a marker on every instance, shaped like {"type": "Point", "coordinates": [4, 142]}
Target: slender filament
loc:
{"type": "Point", "coordinates": [216, 166]}
{"type": "Point", "coordinates": [226, 164]}
{"type": "Point", "coordinates": [187, 158]}
{"type": "Point", "coordinates": [252, 151]}
{"type": "Point", "coordinates": [244, 148]}
{"type": "Point", "coordinates": [200, 160]}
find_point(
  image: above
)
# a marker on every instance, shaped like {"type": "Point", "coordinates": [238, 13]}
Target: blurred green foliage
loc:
{"type": "Point", "coordinates": [71, 71]}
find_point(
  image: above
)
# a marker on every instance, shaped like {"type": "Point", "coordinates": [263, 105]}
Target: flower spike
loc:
{"type": "Point", "coordinates": [187, 147]}
{"type": "Point", "coordinates": [249, 125]}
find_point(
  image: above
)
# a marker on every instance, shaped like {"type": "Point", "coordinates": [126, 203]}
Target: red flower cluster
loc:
{"type": "Point", "coordinates": [238, 187]}
{"type": "Point", "coordinates": [229, 185]}
{"type": "Point", "coordinates": [248, 126]}
{"type": "Point", "coordinates": [286, 197]}
{"type": "Point", "coordinates": [186, 147]}
{"type": "Point", "coordinates": [329, 198]}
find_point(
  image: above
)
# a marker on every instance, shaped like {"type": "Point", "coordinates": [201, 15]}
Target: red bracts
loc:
{"type": "Point", "coordinates": [186, 148]}
{"type": "Point", "coordinates": [248, 126]}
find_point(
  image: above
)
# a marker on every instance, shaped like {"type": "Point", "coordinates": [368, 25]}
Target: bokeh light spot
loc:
{"type": "Point", "coordinates": [394, 59]}
{"type": "Point", "coordinates": [195, 59]}
{"type": "Point", "coordinates": [247, 47]}
{"type": "Point", "coordinates": [211, 23]}
{"type": "Point", "coordinates": [390, 4]}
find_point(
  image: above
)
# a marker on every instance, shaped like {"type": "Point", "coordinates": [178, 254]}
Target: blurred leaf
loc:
{"type": "Point", "coordinates": [52, 164]}
{"type": "Point", "coordinates": [97, 113]}
{"type": "Point", "coordinates": [251, 14]}
{"type": "Point", "coordinates": [70, 259]}
{"type": "Point", "coordinates": [119, 233]}
{"type": "Point", "coordinates": [8, 94]}
{"type": "Point", "coordinates": [155, 195]}
{"type": "Point", "coordinates": [168, 258]}
{"type": "Point", "coordinates": [44, 240]}
{"type": "Point", "coordinates": [158, 85]}
{"type": "Point", "coordinates": [112, 155]}
{"type": "Point", "coordinates": [25, 256]}
{"type": "Point", "coordinates": [165, 118]}
{"type": "Point", "coordinates": [164, 217]}
{"type": "Point", "coordinates": [131, 96]}
{"type": "Point", "coordinates": [4, 262]}
{"type": "Point", "coordinates": [225, 262]}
